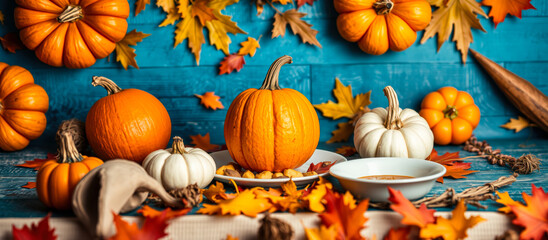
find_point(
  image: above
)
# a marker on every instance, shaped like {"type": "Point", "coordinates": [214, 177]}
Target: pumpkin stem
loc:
{"type": "Point", "coordinates": [271, 80]}
{"type": "Point", "coordinates": [178, 146]}
{"type": "Point", "coordinates": [67, 152]}
{"type": "Point", "coordinates": [108, 84]}
{"type": "Point", "coordinates": [450, 112]}
{"type": "Point", "coordinates": [393, 120]}
{"type": "Point", "coordinates": [383, 7]}
{"type": "Point", "coordinates": [71, 14]}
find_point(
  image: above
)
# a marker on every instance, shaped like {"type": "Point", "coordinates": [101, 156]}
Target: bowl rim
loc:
{"type": "Point", "coordinates": [398, 181]}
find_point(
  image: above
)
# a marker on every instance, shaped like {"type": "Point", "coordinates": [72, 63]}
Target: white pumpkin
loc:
{"type": "Point", "coordinates": [393, 132]}
{"type": "Point", "coordinates": [178, 167]}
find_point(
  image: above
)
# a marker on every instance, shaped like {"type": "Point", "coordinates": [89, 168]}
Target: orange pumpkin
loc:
{"type": "Point", "coordinates": [71, 33]}
{"type": "Point", "coordinates": [56, 180]}
{"type": "Point", "coordinates": [271, 129]}
{"type": "Point", "coordinates": [451, 114]}
{"type": "Point", "coordinates": [127, 124]}
{"type": "Point", "coordinates": [23, 105]}
{"type": "Point", "coordinates": [381, 24]}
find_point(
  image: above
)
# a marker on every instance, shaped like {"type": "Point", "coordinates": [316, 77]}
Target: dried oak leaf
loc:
{"type": "Point", "coordinates": [126, 54]}
{"type": "Point", "coordinates": [1, 18]}
{"type": "Point", "coordinates": [11, 42]}
{"type": "Point", "coordinates": [533, 216]}
{"type": "Point", "coordinates": [203, 142]}
{"type": "Point", "coordinates": [209, 100]}
{"type": "Point", "coordinates": [453, 164]}
{"type": "Point", "coordinates": [300, 3]}
{"type": "Point", "coordinates": [140, 5]}
{"type": "Point", "coordinates": [517, 124]}
{"type": "Point", "coordinates": [298, 26]}
{"type": "Point", "coordinates": [29, 185]}
{"type": "Point", "coordinates": [347, 105]}
{"type": "Point", "coordinates": [411, 215]}
{"type": "Point", "coordinates": [500, 8]}
{"type": "Point", "coordinates": [41, 231]}
{"type": "Point", "coordinates": [249, 47]}
{"type": "Point", "coordinates": [149, 212]}
{"type": "Point", "coordinates": [324, 233]}
{"type": "Point", "coordinates": [451, 229]}
{"type": "Point", "coordinates": [37, 162]}
{"type": "Point", "coordinates": [398, 234]}
{"type": "Point", "coordinates": [245, 203]}
{"type": "Point", "coordinates": [153, 228]}
{"type": "Point", "coordinates": [230, 63]}
{"type": "Point", "coordinates": [458, 13]}
{"type": "Point", "coordinates": [339, 213]}
{"type": "Point", "coordinates": [346, 151]}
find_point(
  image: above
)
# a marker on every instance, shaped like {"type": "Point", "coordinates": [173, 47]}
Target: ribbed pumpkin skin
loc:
{"type": "Point", "coordinates": [128, 125]}
{"type": "Point", "coordinates": [23, 105]}
{"type": "Point", "coordinates": [271, 130]}
{"type": "Point", "coordinates": [358, 21]}
{"type": "Point", "coordinates": [74, 44]}
{"type": "Point", "coordinates": [55, 182]}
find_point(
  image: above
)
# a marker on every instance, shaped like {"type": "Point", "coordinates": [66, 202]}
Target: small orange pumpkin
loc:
{"type": "Point", "coordinates": [56, 180]}
{"type": "Point", "coordinates": [271, 129]}
{"type": "Point", "coordinates": [23, 105]}
{"type": "Point", "coordinates": [381, 24]}
{"type": "Point", "coordinates": [127, 124]}
{"type": "Point", "coordinates": [71, 33]}
{"type": "Point", "coordinates": [451, 114]}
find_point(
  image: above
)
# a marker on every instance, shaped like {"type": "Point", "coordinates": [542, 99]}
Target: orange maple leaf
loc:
{"type": "Point", "coordinates": [209, 100]}
{"type": "Point", "coordinates": [203, 142]}
{"type": "Point", "coordinates": [451, 229]}
{"type": "Point", "coordinates": [348, 221]}
{"type": "Point", "coordinates": [245, 203]}
{"type": "Point", "coordinates": [37, 162]}
{"type": "Point", "coordinates": [300, 3]}
{"type": "Point", "coordinates": [216, 192]}
{"type": "Point", "coordinates": [149, 212]}
{"type": "Point", "coordinates": [230, 237]}
{"type": "Point", "coordinates": [346, 151]}
{"type": "Point", "coordinates": [11, 42]}
{"type": "Point", "coordinates": [398, 234]}
{"type": "Point", "coordinates": [411, 215]}
{"type": "Point", "coordinates": [533, 216]}
{"type": "Point", "coordinates": [202, 11]}
{"type": "Point", "coordinates": [452, 163]}
{"type": "Point", "coordinates": [41, 231]}
{"type": "Point", "coordinates": [506, 200]}
{"type": "Point", "coordinates": [29, 185]}
{"type": "Point", "coordinates": [230, 63]}
{"type": "Point", "coordinates": [324, 233]}
{"type": "Point", "coordinates": [153, 228]}
{"type": "Point", "coordinates": [500, 8]}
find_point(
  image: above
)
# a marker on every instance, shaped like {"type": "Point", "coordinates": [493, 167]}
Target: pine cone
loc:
{"type": "Point", "coordinates": [191, 195]}
{"type": "Point", "coordinates": [275, 229]}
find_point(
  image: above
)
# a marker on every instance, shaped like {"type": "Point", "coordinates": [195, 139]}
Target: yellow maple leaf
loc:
{"type": "Point", "coordinates": [346, 106]}
{"type": "Point", "coordinates": [451, 229]}
{"type": "Point", "coordinates": [140, 6]}
{"type": "Point", "coordinates": [219, 29]}
{"type": "Point", "coordinates": [244, 203]}
{"type": "Point", "coordinates": [458, 13]}
{"type": "Point", "coordinates": [166, 5]}
{"type": "Point", "coordinates": [297, 24]}
{"type": "Point", "coordinates": [283, 2]}
{"type": "Point", "coordinates": [171, 17]}
{"type": "Point", "coordinates": [216, 192]}
{"type": "Point", "coordinates": [210, 100]}
{"type": "Point", "coordinates": [504, 198]}
{"type": "Point", "coordinates": [249, 47]}
{"type": "Point", "coordinates": [220, 4]}
{"type": "Point", "coordinates": [342, 133]}
{"type": "Point", "coordinates": [202, 11]}
{"type": "Point", "coordinates": [203, 142]}
{"type": "Point", "coordinates": [183, 8]}
{"type": "Point", "coordinates": [517, 124]}
{"type": "Point", "coordinates": [191, 29]}
{"type": "Point", "coordinates": [1, 17]}
{"type": "Point", "coordinates": [324, 233]}
{"type": "Point", "coordinates": [126, 54]}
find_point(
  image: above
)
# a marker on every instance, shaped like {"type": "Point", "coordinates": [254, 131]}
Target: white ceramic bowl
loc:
{"type": "Point", "coordinates": [424, 175]}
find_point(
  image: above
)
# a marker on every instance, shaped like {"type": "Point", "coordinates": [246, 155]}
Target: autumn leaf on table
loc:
{"type": "Point", "coordinates": [314, 197]}
{"type": "Point", "coordinates": [320, 167]}
{"type": "Point", "coordinates": [297, 24]}
{"type": "Point", "coordinates": [203, 142]}
{"type": "Point", "coordinates": [324, 233]}
{"type": "Point", "coordinates": [347, 220]}
{"type": "Point", "coordinates": [149, 212]}
{"type": "Point", "coordinates": [533, 216]}
{"type": "Point", "coordinates": [216, 193]}
{"type": "Point", "coordinates": [347, 105]}
{"type": "Point", "coordinates": [453, 164]}
{"type": "Point", "coordinates": [230, 237]}
{"type": "Point", "coordinates": [500, 8]}
{"type": "Point", "coordinates": [411, 215]}
{"type": "Point", "coordinates": [152, 229]}
{"type": "Point", "coordinates": [518, 124]}
{"type": "Point", "coordinates": [209, 100]}
{"type": "Point", "coordinates": [126, 54]}
{"type": "Point", "coordinates": [167, 5]}
{"type": "Point", "coordinates": [451, 229]}
{"type": "Point", "coordinates": [259, 4]}
{"type": "Point", "coordinates": [230, 63]}
{"type": "Point", "coordinates": [342, 133]}
{"type": "Point", "coordinates": [29, 185]}
{"type": "Point", "coordinates": [459, 13]}
{"type": "Point", "coordinates": [37, 162]}
{"type": "Point", "coordinates": [249, 46]}
{"type": "Point", "coordinates": [244, 203]}
{"type": "Point", "coordinates": [140, 5]}
{"type": "Point", "coordinates": [346, 151]}
{"type": "Point", "coordinates": [11, 42]}
{"type": "Point", "coordinates": [300, 3]}
{"type": "Point", "coordinates": [201, 11]}
{"type": "Point", "coordinates": [505, 199]}
{"type": "Point", "coordinates": [398, 234]}
{"type": "Point", "coordinates": [41, 231]}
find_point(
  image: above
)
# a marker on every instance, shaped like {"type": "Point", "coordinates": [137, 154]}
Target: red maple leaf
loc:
{"type": "Point", "coordinates": [398, 234]}
{"type": "Point", "coordinates": [41, 231]}
{"type": "Point", "coordinates": [29, 185]}
{"type": "Point", "coordinates": [411, 215]}
{"type": "Point", "coordinates": [153, 228]}
{"type": "Point", "coordinates": [37, 163]}
{"type": "Point", "coordinates": [300, 3]}
{"type": "Point", "coordinates": [500, 8]}
{"type": "Point", "coordinates": [452, 163]}
{"type": "Point", "coordinates": [149, 212]}
{"type": "Point", "coordinates": [533, 216]}
{"type": "Point", "coordinates": [347, 220]}
{"type": "Point", "coordinates": [230, 63]}
{"type": "Point", "coordinates": [11, 42]}
{"type": "Point", "coordinates": [320, 167]}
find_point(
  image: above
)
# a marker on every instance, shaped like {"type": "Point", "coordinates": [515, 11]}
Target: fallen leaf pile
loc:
{"type": "Point", "coordinates": [518, 124]}
{"type": "Point", "coordinates": [126, 54]}
{"type": "Point", "coordinates": [41, 231]}
{"type": "Point", "coordinates": [500, 8]}
{"type": "Point", "coordinates": [204, 143]}
{"type": "Point", "coordinates": [210, 100]}
{"type": "Point", "coordinates": [347, 106]}
{"type": "Point", "coordinates": [236, 61]}
{"type": "Point", "coordinates": [532, 216]}
{"type": "Point", "coordinates": [11, 42]}
{"type": "Point", "coordinates": [452, 163]}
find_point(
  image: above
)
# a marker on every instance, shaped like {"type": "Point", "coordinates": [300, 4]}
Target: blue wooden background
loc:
{"type": "Point", "coordinates": [172, 75]}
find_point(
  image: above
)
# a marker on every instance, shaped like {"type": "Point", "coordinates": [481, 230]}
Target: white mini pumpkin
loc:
{"type": "Point", "coordinates": [178, 167]}
{"type": "Point", "coordinates": [393, 132]}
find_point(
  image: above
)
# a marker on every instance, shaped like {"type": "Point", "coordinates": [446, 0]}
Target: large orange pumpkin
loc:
{"type": "Point", "coordinates": [451, 114]}
{"type": "Point", "coordinates": [127, 124]}
{"type": "Point", "coordinates": [23, 105]}
{"type": "Point", "coordinates": [71, 33]}
{"type": "Point", "coordinates": [56, 180]}
{"type": "Point", "coordinates": [381, 24]}
{"type": "Point", "coordinates": [271, 129]}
